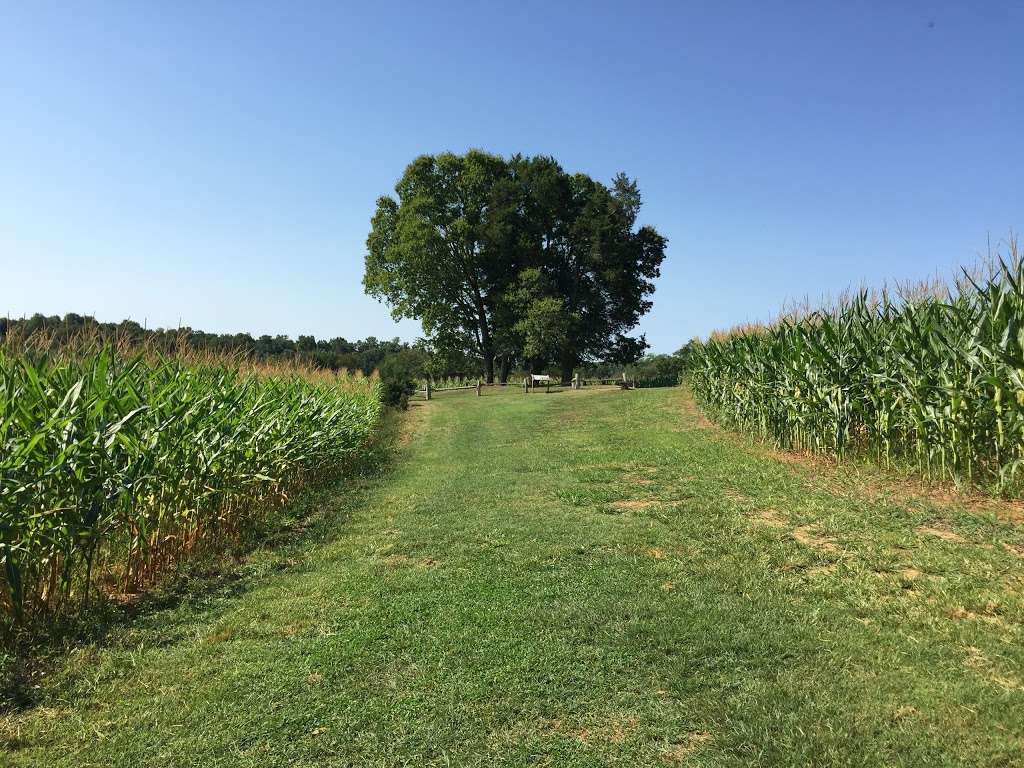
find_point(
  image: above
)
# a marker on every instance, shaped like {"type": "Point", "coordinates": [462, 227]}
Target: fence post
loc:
{"type": "Point", "coordinates": [427, 390]}
{"type": "Point", "coordinates": [478, 387]}
{"type": "Point", "coordinates": [526, 384]}
{"type": "Point", "coordinates": [575, 381]}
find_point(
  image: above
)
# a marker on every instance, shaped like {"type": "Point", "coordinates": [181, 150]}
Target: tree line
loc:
{"type": "Point", "coordinates": [515, 261]}
{"type": "Point", "coordinates": [366, 355]}
{"type": "Point", "coordinates": [393, 358]}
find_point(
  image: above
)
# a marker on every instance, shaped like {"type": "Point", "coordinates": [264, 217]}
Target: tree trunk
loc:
{"type": "Point", "coordinates": [567, 365]}
{"type": "Point", "coordinates": [489, 365]}
{"type": "Point", "coordinates": [486, 344]}
{"type": "Point", "coordinates": [506, 368]}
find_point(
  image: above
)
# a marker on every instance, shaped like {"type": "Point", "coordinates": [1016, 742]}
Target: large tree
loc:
{"type": "Point", "coordinates": [593, 258]}
{"type": "Point", "coordinates": [429, 254]}
{"type": "Point", "coordinates": [515, 258]}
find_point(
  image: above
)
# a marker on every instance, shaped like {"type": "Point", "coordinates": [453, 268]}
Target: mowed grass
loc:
{"type": "Point", "coordinates": [575, 579]}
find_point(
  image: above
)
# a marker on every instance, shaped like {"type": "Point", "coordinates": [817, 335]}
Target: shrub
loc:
{"type": "Point", "coordinates": [396, 392]}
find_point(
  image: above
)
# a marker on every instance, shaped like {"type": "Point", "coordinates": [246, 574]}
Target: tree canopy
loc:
{"type": "Point", "coordinates": [515, 260]}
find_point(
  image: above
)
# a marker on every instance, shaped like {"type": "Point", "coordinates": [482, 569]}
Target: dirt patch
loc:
{"type": "Point", "coordinates": [804, 459]}
{"type": "Point", "coordinates": [822, 570]}
{"type": "Point", "coordinates": [811, 571]}
{"type": "Point", "coordinates": [657, 554]}
{"type": "Point", "coordinates": [677, 751]}
{"type": "Point", "coordinates": [940, 532]}
{"type": "Point", "coordinates": [1012, 511]}
{"type": "Point", "coordinates": [616, 730]}
{"type": "Point", "coordinates": [292, 629]}
{"type": "Point", "coordinates": [770, 517]}
{"type": "Point", "coordinates": [982, 665]}
{"type": "Point", "coordinates": [737, 497]}
{"type": "Point", "coordinates": [1014, 549]}
{"type": "Point", "coordinates": [125, 598]}
{"type": "Point", "coordinates": [404, 561]}
{"type": "Point", "coordinates": [947, 494]}
{"type": "Point", "coordinates": [641, 475]}
{"type": "Point", "coordinates": [809, 536]}
{"type": "Point", "coordinates": [633, 504]}
{"type": "Point", "coordinates": [963, 614]}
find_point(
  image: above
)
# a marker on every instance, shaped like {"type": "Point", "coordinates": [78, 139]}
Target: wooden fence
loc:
{"type": "Point", "coordinates": [528, 384]}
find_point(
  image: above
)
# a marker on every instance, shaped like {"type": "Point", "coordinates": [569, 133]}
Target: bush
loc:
{"type": "Point", "coordinates": [398, 376]}
{"type": "Point", "coordinates": [396, 392]}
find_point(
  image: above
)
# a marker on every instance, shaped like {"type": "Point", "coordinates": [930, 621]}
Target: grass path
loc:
{"type": "Point", "coordinates": [575, 579]}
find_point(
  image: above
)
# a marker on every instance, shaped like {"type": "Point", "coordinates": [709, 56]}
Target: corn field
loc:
{"type": "Point", "coordinates": [934, 379]}
{"type": "Point", "coordinates": [113, 466]}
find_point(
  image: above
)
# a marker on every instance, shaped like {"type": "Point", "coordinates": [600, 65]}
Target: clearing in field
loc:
{"type": "Point", "coordinates": [580, 578]}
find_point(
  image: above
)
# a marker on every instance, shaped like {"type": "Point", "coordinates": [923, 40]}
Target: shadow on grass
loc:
{"type": "Point", "coordinates": [208, 578]}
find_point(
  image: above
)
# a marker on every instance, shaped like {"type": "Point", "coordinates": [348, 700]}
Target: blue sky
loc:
{"type": "Point", "coordinates": [218, 163]}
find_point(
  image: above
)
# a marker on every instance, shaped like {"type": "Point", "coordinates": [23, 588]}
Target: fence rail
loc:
{"type": "Point", "coordinates": [578, 382]}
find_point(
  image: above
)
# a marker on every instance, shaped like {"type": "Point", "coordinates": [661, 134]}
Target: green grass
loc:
{"type": "Point", "coordinates": [573, 579]}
